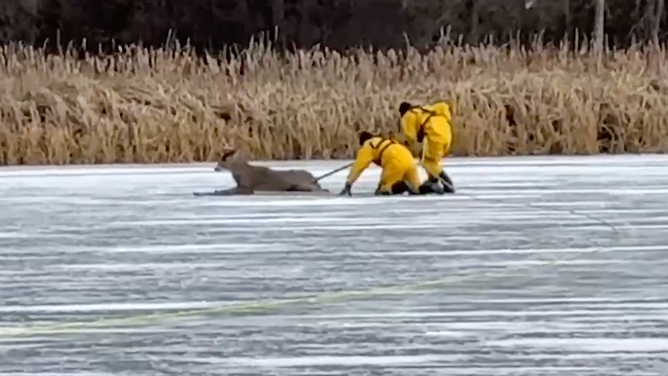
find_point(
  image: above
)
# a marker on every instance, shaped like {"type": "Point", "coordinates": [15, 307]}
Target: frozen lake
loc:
{"type": "Point", "coordinates": [473, 286]}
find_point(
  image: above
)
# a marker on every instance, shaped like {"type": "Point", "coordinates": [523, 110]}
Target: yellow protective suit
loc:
{"type": "Point", "coordinates": [430, 125]}
{"type": "Point", "coordinates": [394, 158]}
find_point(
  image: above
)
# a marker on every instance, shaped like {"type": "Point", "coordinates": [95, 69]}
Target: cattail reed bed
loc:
{"type": "Point", "coordinates": [159, 106]}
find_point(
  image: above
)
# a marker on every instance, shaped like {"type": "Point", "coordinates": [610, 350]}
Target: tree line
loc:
{"type": "Point", "coordinates": [337, 24]}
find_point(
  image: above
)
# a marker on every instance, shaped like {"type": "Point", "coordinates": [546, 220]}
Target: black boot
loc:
{"type": "Point", "coordinates": [448, 185]}
{"type": "Point", "coordinates": [380, 192]}
{"type": "Point", "coordinates": [412, 191]}
{"type": "Point", "coordinates": [431, 186]}
{"type": "Point", "coordinates": [399, 188]}
{"type": "Point", "coordinates": [403, 187]}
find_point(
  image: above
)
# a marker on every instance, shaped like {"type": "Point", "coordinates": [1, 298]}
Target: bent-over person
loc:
{"type": "Point", "coordinates": [399, 172]}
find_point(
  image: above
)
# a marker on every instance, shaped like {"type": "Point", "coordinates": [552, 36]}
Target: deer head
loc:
{"type": "Point", "coordinates": [226, 160]}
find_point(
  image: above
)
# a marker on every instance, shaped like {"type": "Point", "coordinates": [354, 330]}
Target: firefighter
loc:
{"type": "Point", "coordinates": [431, 126]}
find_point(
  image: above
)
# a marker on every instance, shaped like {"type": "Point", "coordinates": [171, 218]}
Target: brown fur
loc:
{"type": "Point", "coordinates": [251, 178]}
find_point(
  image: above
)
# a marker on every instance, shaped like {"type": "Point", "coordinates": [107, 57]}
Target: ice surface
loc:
{"type": "Point", "coordinates": [508, 277]}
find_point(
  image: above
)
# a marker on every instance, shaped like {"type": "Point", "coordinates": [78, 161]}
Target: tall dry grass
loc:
{"type": "Point", "coordinates": [148, 105]}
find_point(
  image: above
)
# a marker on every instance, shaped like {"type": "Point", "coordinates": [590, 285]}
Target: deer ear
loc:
{"type": "Point", "coordinates": [227, 153]}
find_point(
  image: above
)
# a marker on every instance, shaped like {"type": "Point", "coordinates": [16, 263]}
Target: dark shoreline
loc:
{"type": "Point", "coordinates": [339, 25]}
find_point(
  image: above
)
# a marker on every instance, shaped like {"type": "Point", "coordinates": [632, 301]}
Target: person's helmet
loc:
{"type": "Point", "coordinates": [364, 136]}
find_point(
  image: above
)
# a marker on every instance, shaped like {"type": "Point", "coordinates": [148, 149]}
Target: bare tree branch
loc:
{"type": "Point", "coordinates": [599, 26]}
{"type": "Point", "coordinates": [658, 12]}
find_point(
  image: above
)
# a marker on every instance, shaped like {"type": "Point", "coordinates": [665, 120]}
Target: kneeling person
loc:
{"type": "Point", "coordinates": [399, 171]}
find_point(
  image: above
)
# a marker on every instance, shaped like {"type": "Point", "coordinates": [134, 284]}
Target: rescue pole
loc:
{"type": "Point", "coordinates": [334, 171]}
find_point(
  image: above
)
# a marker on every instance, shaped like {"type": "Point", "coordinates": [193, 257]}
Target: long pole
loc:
{"type": "Point", "coordinates": [334, 171]}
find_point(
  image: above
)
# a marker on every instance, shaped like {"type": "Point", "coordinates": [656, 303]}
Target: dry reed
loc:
{"type": "Point", "coordinates": [150, 105]}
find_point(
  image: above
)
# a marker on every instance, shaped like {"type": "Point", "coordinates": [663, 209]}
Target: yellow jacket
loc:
{"type": "Point", "coordinates": [382, 152]}
{"type": "Point", "coordinates": [432, 121]}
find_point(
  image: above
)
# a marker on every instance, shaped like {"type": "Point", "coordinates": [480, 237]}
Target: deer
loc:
{"type": "Point", "coordinates": [251, 179]}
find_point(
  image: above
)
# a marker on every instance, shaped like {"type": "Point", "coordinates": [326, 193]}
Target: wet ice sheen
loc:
{"type": "Point", "coordinates": [528, 292]}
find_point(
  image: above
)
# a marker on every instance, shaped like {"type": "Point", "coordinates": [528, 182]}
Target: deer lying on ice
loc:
{"type": "Point", "coordinates": [251, 178]}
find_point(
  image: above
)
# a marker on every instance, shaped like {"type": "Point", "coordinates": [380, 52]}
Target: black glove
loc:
{"type": "Point", "coordinates": [346, 190]}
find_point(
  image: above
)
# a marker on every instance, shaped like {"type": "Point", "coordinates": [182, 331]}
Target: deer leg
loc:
{"type": "Point", "coordinates": [300, 188]}
{"type": "Point", "coordinates": [233, 191]}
